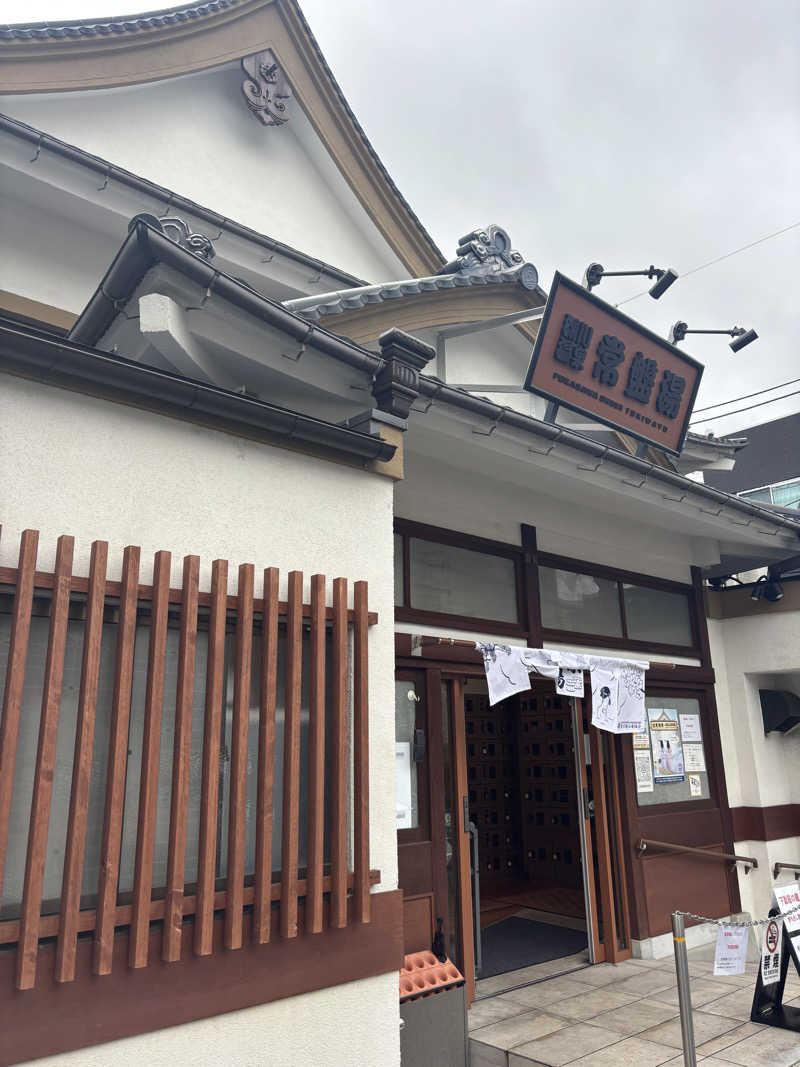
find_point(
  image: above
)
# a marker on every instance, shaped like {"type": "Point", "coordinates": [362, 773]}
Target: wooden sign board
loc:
{"type": "Point", "coordinates": [594, 360]}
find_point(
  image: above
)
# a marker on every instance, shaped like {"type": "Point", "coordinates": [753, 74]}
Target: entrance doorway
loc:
{"type": "Point", "coordinates": [527, 846]}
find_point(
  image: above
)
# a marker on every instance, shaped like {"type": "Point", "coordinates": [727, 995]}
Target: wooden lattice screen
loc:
{"type": "Point", "coordinates": [332, 894]}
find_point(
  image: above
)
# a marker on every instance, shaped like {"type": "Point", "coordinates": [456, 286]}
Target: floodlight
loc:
{"type": "Point", "coordinates": [595, 273]}
{"type": "Point", "coordinates": [741, 337]}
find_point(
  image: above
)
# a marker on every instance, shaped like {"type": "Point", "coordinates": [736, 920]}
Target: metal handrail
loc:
{"type": "Point", "coordinates": [793, 867]}
{"type": "Point", "coordinates": [726, 857]}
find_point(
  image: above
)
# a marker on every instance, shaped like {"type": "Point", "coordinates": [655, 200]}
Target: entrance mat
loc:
{"type": "Point", "coordinates": [514, 943]}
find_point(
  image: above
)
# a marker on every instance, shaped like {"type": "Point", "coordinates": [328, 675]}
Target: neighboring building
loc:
{"type": "Point", "coordinates": [768, 469]}
{"type": "Point", "coordinates": [238, 762]}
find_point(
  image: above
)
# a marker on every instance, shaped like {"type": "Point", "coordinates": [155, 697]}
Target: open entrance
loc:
{"type": "Point", "coordinates": [524, 804]}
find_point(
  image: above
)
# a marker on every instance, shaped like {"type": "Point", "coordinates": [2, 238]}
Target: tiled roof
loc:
{"type": "Point", "coordinates": [314, 308]}
{"type": "Point", "coordinates": [108, 27]}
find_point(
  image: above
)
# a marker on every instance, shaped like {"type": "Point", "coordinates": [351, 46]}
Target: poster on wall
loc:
{"type": "Point", "coordinates": [695, 785]}
{"type": "Point", "coordinates": [690, 728]}
{"type": "Point", "coordinates": [694, 758]}
{"type": "Point", "coordinates": [665, 741]}
{"type": "Point", "coordinates": [643, 767]}
{"type": "Point", "coordinates": [402, 755]}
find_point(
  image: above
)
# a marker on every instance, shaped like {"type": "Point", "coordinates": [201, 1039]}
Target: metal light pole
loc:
{"type": "Point", "coordinates": [684, 995]}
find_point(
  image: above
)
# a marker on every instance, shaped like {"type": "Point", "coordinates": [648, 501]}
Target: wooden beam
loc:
{"type": "Point", "coordinates": [117, 763]}
{"type": "Point", "coordinates": [45, 768]}
{"type": "Point", "coordinates": [266, 759]}
{"type": "Point", "coordinates": [291, 757]}
{"type": "Point", "coordinates": [209, 789]}
{"type": "Point", "coordinates": [82, 766]}
{"type": "Point", "coordinates": [15, 682]}
{"type": "Point", "coordinates": [316, 758]}
{"type": "Point", "coordinates": [237, 808]}
{"type": "Point", "coordinates": [338, 788]}
{"type": "Point", "coordinates": [151, 753]}
{"type": "Point", "coordinates": [361, 753]}
{"type": "Point", "coordinates": [181, 761]}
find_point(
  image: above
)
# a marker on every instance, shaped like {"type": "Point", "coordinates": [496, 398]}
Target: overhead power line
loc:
{"type": "Point", "coordinates": [718, 259]}
{"type": "Point", "coordinates": [750, 407]}
{"type": "Point", "coordinates": [747, 396]}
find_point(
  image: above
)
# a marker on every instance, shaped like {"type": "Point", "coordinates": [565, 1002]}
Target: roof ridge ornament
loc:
{"type": "Point", "coordinates": [266, 88]}
{"type": "Point", "coordinates": [489, 251]}
{"type": "Point", "coordinates": [178, 231]}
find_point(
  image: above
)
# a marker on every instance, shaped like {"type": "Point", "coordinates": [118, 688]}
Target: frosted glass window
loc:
{"type": "Point", "coordinates": [460, 581]}
{"type": "Point", "coordinates": [579, 602]}
{"type": "Point", "coordinates": [656, 615]}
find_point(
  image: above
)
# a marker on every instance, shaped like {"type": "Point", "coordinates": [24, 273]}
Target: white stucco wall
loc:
{"type": "Point", "coordinates": [749, 653]}
{"type": "Point", "coordinates": [348, 1026]}
{"type": "Point", "coordinates": [196, 136]}
{"type": "Point", "coordinates": [78, 465]}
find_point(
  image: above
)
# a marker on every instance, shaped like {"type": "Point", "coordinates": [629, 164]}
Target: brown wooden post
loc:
{"type": "Point", "coordinates": [45, 768]}
{"type": "Point", "coordinates": [82, 767]}
{"type": "Point", "coordinates": [262, 908]}
{"type": "Point", "coordinates": [181, 760]}
{"type": "Point", "coordinates": [361, 753]}
{"type": "Point", "coordinates": [316, 759]}
{"type": "Point", "coordinates": [291, 756]}
{"type": "Point", "coordinates": [338, 801]}
{"type": "Point", "coordinates": [117, 763]}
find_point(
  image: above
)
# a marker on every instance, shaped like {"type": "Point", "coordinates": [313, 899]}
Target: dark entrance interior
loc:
{"type": "Point", "coordinates": [523, 802]}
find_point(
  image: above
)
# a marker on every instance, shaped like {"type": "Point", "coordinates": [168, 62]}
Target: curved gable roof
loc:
{"type": "Point", "coordinates": [105, 53]}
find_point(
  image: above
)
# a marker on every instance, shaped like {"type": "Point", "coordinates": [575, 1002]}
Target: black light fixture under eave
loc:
{"type": "Point", "coordinates": [595, 273]}
{"type": "Point", "coordinates": [768, 587]}
{"type": "Point", "coordinates": [741, 337]}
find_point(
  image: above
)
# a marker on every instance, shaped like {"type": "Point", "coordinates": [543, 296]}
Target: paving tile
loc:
{"type": "Point", "coordinates": [667, 961]}
{"type": "Point", "coordinates": [632, 1052]}
{"type": "Point", "coordinates": [586, 1006]}
{"type": "Point", "coordinates": [481, 1055]}
{"type": "Point", "coordinates": [706, 1027]}
{"type": "Point", "coordinates": [641, 1015]}
{"type": "Point", "coordinates": [647, 983]}
{"type": "Point", "coordinates": [736, 1005]}
{"type": "Point", "coordinates": [518, 1029]}
{"type": "Point", "coordinates": [492, 1010]}
{"type": "Point", "coordinates": [770, 1047]}
{"type": "Point", "coordinates": [543, 994]}
{"type": "Point", "coordinates": [606, 973]}
{"type": "Point", "coordinates": [702, 991]}
{"type": "Point", "coordinates": [727, 1039]}
{"type": "Point", "coordinates": [562, 1047]}
{"type": "Point", "coordinates": [500, 983]}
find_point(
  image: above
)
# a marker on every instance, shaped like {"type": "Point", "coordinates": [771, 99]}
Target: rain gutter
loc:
{"type": "Point", "coordinates": [52, 360]}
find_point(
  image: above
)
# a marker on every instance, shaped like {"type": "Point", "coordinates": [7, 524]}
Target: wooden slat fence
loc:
{"type": "Point", "coordinates": [330, 888]}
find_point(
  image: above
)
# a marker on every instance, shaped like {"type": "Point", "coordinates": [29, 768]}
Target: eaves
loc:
{"type": "Point", "coordinates": [62, 362]}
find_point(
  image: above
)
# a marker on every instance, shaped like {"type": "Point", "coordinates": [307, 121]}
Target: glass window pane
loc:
{"type": "Point", "coordinates": [398, 569]}
{"type": "Point", "coordinates": [658, 616]}
{"type": "Point", "coordinates": [459, 581]}
{"type": "Point", "coordinates": [761, 496]}
{"type": "Point", "coordinates": [787, 496]}
{"type": "Point", "coordinates": [678, 768]}
{"type": "Point", "coordinates": [579, 602]}
{"type": "Point", "coordinates": [405, 718]}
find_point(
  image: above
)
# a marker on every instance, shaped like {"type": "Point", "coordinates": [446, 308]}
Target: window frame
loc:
{"type": "Point", "coordinates": [405, 612]}
{"type": "Point", "coordinates": [621, 577]}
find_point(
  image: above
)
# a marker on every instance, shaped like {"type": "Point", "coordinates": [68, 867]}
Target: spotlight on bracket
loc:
{"type": "Point", "coordinates": [595, 273]}
{"type": "Point", "coordinates": [768, 587]}
{"type": "Point", "coordinates": [741, 337]}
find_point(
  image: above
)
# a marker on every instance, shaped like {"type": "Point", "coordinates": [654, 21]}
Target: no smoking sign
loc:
{"type": "Point", "coordinates": [771, 953]}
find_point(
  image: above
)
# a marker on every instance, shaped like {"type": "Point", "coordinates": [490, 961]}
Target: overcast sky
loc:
{"type": "Point", "coordinates": [628, 132]}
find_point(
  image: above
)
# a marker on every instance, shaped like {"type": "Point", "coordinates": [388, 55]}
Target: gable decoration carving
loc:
{"type": "Point", "coordinates": [266, 88]}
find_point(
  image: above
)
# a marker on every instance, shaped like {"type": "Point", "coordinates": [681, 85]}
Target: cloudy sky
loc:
{"type": "Point", "coordinates": [628, 132]}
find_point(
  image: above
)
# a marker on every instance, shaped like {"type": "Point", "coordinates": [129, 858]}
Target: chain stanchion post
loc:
{"type": "Point", "coordinates": [684, 994]}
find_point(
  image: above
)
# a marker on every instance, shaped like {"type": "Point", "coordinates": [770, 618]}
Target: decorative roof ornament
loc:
{"type": "Point", "coordinates": [266, 88]}
{"type": "Point", "coordinates": [489, 251]}
{"type": "Point", "coordinates": [177, 231]}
